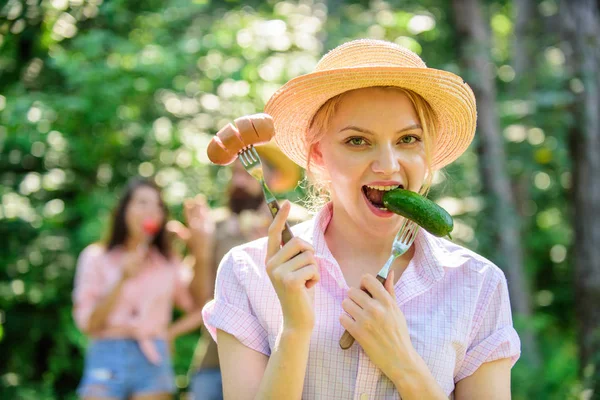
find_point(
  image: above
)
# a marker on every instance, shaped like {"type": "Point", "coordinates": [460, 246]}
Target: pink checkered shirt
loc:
{"type": "Point", "coordinates": [455, 302]}
{"type": "Point", "coordinates": [144, 307]}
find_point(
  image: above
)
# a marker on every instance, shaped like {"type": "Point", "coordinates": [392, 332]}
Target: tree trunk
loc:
{"type": "Point", "coordinates": [473, 30]}
{"type": "Point", "coordinates": [523, 43]}
{"type": "Point", "coordinates": [524, 83]}
{"type": "Point", "coordinates": [580, 21]}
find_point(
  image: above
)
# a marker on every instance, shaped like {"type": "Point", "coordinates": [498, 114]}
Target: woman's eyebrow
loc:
{"type": "Point", "coordinates": [410, 128]}
{"type": "Point", "coordinates": [368, 132]}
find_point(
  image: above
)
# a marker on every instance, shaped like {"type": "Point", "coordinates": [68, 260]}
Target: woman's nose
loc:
{"type": "Point", "coordinates": [152, 211]}
{"type": "Point", "coordinates": [386, 161]}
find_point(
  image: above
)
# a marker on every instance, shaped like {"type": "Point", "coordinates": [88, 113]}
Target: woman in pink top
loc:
{"type": "Point", "coordinates": [370, 118]}
{"type": "Point", "coordinates": [124, 295]}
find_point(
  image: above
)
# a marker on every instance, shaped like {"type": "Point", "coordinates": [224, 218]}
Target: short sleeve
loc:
{"type": "Point", "coordinates": [493, 336]}
{"type": "Point", "coordinates": [182, 296]}
{"type": "Point", "coordinates": [88, 285]}
{"type": "Point", "coordinates": [231, 310]}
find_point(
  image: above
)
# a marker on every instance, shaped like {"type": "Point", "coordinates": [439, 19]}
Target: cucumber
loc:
{"type": "Point", "coordinates": [419, 209]}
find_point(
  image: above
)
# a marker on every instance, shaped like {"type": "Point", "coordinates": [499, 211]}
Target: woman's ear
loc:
{"type": "Point", "coordinates": [316, 156]}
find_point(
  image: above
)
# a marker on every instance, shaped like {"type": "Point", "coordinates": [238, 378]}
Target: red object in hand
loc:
{"type": "Point", "coordinates": [150, 227]}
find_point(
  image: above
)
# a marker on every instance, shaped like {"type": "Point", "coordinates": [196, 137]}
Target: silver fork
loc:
{"type": "Point", "coordinates": [249, 158]}
{"type": "Point", "coordinates": [402, 242]}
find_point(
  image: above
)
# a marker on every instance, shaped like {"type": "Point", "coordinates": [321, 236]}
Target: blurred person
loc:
{"type": "Point", "coordinates": [245, 218]}
{"type": "Point", "coordinates": [124, 294]}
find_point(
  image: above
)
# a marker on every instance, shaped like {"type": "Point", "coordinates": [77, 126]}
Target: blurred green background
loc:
{"type": "Point", "coordinates": [93, 92]}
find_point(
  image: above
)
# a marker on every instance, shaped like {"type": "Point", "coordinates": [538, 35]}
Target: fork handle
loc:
{"type": "Point", "coordinates": [347, 340]}
{"type": "Point", "coordinates": [286, 234]}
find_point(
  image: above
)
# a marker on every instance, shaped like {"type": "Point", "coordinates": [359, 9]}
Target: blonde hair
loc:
{"type": "Point", "coordinates": [317, 188]}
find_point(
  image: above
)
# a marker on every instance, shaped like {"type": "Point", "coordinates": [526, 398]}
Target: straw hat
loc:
{"type": "Point", "coordinates": [366, 63]}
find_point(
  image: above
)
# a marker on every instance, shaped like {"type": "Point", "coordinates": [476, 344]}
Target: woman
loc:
{"type": "Point", "coordinates": [370, 118]}
{"type": "Point", "coordinates": [124, 295]}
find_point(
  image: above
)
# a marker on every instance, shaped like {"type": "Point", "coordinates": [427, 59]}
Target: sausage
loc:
{"type": "Point", "coordinates": [217, 152]}
{"type": "Point", "coordinates": [231, 139]}
{"type": "Point", "coordinates": [255, 129]}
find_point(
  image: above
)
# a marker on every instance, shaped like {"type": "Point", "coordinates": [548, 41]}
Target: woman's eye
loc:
{"type": "Point", "coordinates": [356, 141]}
{"type": "Point", "coordinates": [409, 139]}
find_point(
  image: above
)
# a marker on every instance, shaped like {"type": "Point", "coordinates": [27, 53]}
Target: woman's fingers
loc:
{"type": "Point", "coordinates": [295, 254]}
{"type": "Point", "coordinates": [315, 278]}
{"type": "Point", "coordinates": [177, 228]}
{"type": "Point", "coordinates": [292, 249]}
{"type": "Point", "coordinates": [375, 288]}
{"type": "Point", "coordinates": [296, 262]}
{"type": "Point", "coordinates": [389, 284]}
{"type": "Point", "coordinates": [349, 324]}
{"type": "Point", "coordinates": [280, 272]}
{"type": "Point", "coordinates": [292, 270]}
{"type": "Point", "coordinates": [353, 309]}
{"type": "Point", "coordinates": [306, 276]}
{"type": "Point", "coordinates": [369, 305]}
{"type": "Point", "coordinates": [359, 297]}
{"type": "Point", "coordinates": [197, 215]}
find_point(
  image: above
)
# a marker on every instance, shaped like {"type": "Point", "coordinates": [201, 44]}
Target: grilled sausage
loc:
{"type": "Point", "coordinates": [232, 138]}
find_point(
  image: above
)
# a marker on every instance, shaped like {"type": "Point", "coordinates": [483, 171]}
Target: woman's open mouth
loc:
{"type": "Point", "coordinates": [374, 196]}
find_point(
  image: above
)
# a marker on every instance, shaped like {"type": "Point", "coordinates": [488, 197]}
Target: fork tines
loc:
{"type": "Point", "coordinates": [409, 229]}
{"type": "Point", "coordinates": [248, 155]}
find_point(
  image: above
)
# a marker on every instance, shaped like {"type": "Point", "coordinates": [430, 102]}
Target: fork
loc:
{"type": "Point", "coordinates": [249, 158]}
{"type": "Point", "coordinates": [402, 242]}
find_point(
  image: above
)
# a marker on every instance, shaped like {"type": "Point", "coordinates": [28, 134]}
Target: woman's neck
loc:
{"type": "Point", "coordinates": [132, 243]}
{"type": "Point", "coordinates": [343, 235]}
{"type": "Point", "coordinates": [354, 247]}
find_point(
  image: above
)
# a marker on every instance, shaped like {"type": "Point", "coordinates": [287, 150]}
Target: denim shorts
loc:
{"type": "Point", "coordinates": [117, 368]}
{"type": "Point", "coordinates": [206, 384]}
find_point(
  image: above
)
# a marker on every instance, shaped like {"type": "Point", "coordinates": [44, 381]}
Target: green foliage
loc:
{"type": "Point", "coordinates": [94, 92]}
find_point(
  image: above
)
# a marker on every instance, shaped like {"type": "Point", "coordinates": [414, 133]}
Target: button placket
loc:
{"type": "Point", "coordinates": [367, 377]}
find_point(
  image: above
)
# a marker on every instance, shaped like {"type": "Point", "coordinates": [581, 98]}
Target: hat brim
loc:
{"type": "Point", "coordinates": [452, 100]}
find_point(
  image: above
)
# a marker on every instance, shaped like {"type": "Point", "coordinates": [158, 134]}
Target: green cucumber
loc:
{"type": "Point", "coordinates": [419, 209]}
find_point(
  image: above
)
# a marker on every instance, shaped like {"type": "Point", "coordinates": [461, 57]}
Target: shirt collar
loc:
{"type": "Point", "coordinates": [320, 223]}
{"type": "Point", "coordinates": [428, 256]}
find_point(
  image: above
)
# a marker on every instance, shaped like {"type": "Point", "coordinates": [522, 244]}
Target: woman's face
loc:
{"type": "Point", "coordinates": [374, 142]}
{"type": "Point", "coordinates": [144, 204]}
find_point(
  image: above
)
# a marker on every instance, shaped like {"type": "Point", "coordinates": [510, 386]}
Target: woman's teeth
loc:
{"type": "Point", "coordinates": [384, 188]}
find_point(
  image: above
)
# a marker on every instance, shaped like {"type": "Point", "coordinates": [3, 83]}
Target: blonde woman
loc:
{"type": "Point", "coordinates": [370, 118]}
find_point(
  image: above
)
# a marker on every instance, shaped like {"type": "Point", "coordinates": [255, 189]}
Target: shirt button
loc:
{"type": "Point", "coordinates": [364, 396]}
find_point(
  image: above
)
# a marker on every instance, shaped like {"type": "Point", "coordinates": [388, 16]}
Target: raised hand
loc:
{"type": "Point", "coordinates": [200, 229]}
{"type": "Point", "coordinates": [294, 273]}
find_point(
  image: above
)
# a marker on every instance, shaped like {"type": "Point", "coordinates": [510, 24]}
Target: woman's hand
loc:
{"type": "Point", "coordinates": [378, 324]}
{"type": "Point", "coordinates": [199, 233]}
{"type": "Point", "coordinates": [170, 339]}
{"type": "Point", "coordinates": [294, 273]}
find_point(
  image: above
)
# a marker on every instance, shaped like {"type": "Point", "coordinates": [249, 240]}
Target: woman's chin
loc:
{"type": "Point", "coordinates": [135, 235]}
